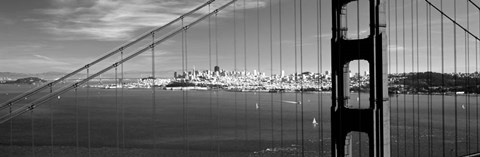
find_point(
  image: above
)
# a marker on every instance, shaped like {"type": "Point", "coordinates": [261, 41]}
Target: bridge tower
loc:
{"type": "Point", "coordinates": [374, 120]}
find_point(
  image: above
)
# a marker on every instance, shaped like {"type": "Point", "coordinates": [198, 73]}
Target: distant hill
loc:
{"type": "Point", "coordinates": [55, 75]}
{"type": "Point", "coordinates": [44, 76]}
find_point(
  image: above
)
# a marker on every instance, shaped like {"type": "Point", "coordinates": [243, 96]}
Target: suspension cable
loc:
{"type": "Point", "coordinates": [389, 55]}
{"type": "Point", "coordinates": [413, 81]}
{"type": "Point", "coordinates": [418, 78]}
{"type": "Point", "coordinates": [455, 75]}
{"type": "Point", "coordinates": [396, 71]}
{"type": "Point", "coordinates": [296, 72]}
{"type": "Point", "coordinates": [34, 104]}
{"type": "Point", "coordinates": [404, 81]}
{"type": "Point", "coordinates": [431, 81]}
{"type": "Point", "coordinates": [51, 123]}
{"type": "Point", "coordinates": [468, 80]}
{"type": "Point", "coordinates": [89, 126]}
{"type": "Point", "coordinates": [111, 53]}
{"type": "Point", "coordinates": [320, 69]}
{"type": "Point", "coordinates": [216, 93]}
{"type": "Point", "coordinates": [245, 64]}
{"type": "Point", "coordinates": [186, 76]}
{"type": "Point", "coordinates": [121, 101]}
{"type": "Point", "coordinates": [476, 86]}
{"type": "Point", "coordinates": [281, 73]}
{"type": "Point", "coordinates": [32, 133]}
{"type": "Point", "coordinates": [271, 73]}
{"type": "Point", "coordinates": [443, 81]}
{"type": "Point", "coordinates": [187, 142]}
{"type": "Point", "coordinates": [235, 68]}
{"type": "Point", "coordinates": [258, 105]}
{"type": "Point", "coordinates": [211, 73]}
{"type": "Point", "coordinates": [117, 127]}
{"type": "Point", "coordinates": [154, 95]}
{"type": "Point", "coordinates": [77, 143]}
{"type": "Point", "coordinates": [301, 70]}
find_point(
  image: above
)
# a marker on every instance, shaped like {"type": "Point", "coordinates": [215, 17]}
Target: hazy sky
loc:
{"type": "Point", "coordinates": [63, 35]}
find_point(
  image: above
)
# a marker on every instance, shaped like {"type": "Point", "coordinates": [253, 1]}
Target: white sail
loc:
{"type": "Point", "coordinates": [314, 121]}
{"type": "Point", "coordinates": [256, 105]}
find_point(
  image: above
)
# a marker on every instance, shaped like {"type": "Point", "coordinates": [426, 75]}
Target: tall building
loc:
{"type": "Point", "coordinates": [217, 68]}
{"type": "Point", "coordinates": [283, 73]}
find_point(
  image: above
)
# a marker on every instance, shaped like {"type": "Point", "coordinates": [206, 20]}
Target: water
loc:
{"type": "Point", "coordinates": [215, 121]}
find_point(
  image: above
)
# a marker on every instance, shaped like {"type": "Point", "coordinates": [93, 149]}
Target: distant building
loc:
{"type": "Point", "coordinates": [217, 68]}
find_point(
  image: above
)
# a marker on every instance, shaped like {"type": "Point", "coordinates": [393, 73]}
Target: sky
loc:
{"type": "Point", "coordinates": [63, 35]}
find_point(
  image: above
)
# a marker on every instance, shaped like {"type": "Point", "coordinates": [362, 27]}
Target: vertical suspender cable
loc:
{"type": "Point", "coordinates": [396, 71]}
{"type": "Point", "coordinates": [428, 80]}
{"type": "Point", "coordinates": [429, 62]}
{"type": "Point", "coordinates": [154, 139]}
{"type": "Point", "coordinates": [301, 83]}
{"type": "Point", "coordinates": [281, 74]}
{"type": "Point", "coordinates": [413, 81]}
{"type": "Point", "coordinates": [455, 75]}
{"type": "Point", "coordinates": [404, 78]}
{"type": "Point", "coordinates": [187, 142]}
{"type": "Point", "coordinates": [216, 93]}
{"type": "Point", "coordinates": [443, 82]}
{"type": "Point", "coordinates": [88, 117]}
{"type": "Point", "coordinates": [271, 73]}
{"type": "Point", "coordinates": [431, 82]}
{"type": "Point", "coordinates": [185, 72]}
{"type": "Point", "coordinates": [33, 133]}
{"type": "Point", "coordinates": [235, 38]}
{"type": "Point", "coordinates": [77, 144]}
{"type": "Point", "coordinates": [121, 101]}
{"type": "Point", "coordinates": [235, 66]}
{"type": "Point", "coordinates": [468, 79]}
{"type": "Point", "coordinates": [51, 121]}
{"type": "Point", "coordinates": [296, 72]}
{"type": "Point", "coordinates": [476, 87]}
{"type": "Point", "coordinates": [117, 140]}
{"type": "Point", "coordinates": [245, 55]}
{"type": "Point", "coordinates": [245, 64]}
{"type": "Point", "coordinates": [11, 131]}
{"type": "Point", "coordinates": [418, 79]}
{"type": "Point", "coordinates": [320, 77]}
{"type": "Point", "coordinates": [245, 36]}
{"type": "Point", "coordinates": [258, 101]}
{"type": "Point", "coordinates": [210, 66]}
{"type": "Point", "coordinates": [389, 56]}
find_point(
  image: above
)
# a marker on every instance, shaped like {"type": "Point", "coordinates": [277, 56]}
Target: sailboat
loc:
{"type": "Point", "coordinates": [256, 105]}
{"type": "Point", "coordinates": [314, 122]}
